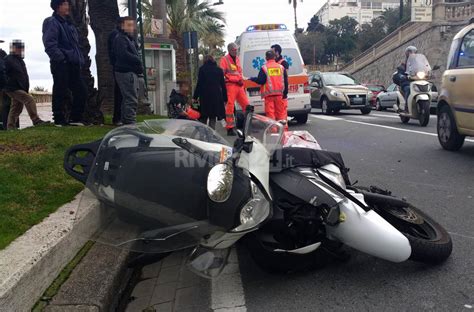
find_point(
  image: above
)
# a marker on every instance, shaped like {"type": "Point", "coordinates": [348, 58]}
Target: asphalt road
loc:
{"type": "Point", "coordinates": [408, 160]}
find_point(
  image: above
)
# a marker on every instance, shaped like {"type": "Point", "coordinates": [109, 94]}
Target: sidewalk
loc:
{"type": "Point", "coordinates": [168, 286]}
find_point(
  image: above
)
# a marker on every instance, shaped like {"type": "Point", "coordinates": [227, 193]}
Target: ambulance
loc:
{"type": "Point", "coordinates": [253, 43]}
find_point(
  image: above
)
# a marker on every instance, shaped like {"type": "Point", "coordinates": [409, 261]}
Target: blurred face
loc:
{"type": "Point", "coordinates": [18, 51]}
{"type": "Point", "coordinates": [276, 53]}
{"type": "Point", "coordinates": [233, 51]}
{"type": "Point", "coordinates": [129, 27]}
{"type": "Point", "coordinates": [63, 9]}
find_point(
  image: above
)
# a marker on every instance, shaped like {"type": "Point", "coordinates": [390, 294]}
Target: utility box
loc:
{"type": "Point", "coordinates": [160, 63]}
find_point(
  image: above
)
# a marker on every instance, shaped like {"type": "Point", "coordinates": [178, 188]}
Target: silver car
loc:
{"type": "Point", "coordinates": [392, 96]}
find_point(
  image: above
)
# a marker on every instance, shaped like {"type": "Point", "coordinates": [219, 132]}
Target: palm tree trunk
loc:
{"type": "Point", "coordinates": [79, 16]}
{"type": "Point", "coordinates": [103, 15]}
{"type": "Point", "coordinates": [182, 69]}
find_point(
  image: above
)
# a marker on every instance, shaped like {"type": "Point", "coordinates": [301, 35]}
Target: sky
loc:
{"type": "Point", "coordinates": [23, 20]}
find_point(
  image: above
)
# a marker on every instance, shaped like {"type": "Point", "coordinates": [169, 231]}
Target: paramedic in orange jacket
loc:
{"type": "Point", "coordinates": [234, 82]}
{"type": "Point", "coordinates": [274, 85]}
{"type": "Point", "coordinates": [281, 112]}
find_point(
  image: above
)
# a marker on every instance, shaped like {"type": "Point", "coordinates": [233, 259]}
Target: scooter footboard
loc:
{"type": "Point", "coordinates": [370, 233]}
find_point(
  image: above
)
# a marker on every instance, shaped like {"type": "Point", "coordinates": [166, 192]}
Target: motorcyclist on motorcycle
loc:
{"type": "Point", "coordinates": [400, 77]}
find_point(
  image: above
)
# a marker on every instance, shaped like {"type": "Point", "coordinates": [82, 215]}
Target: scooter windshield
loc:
{"type": "Point", "coordinates": [145, 193]}
{"type": "Point", "coordinates": [418, 67]}
{"type": "Point", "coordinates": [264, 130]}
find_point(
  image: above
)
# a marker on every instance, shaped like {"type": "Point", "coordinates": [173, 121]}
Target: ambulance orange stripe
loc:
{"type": "Point", "coordinates": [291, 80]}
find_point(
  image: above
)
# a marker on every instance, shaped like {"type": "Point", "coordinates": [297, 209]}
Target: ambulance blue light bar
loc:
{"type": "Point", "coordinates": [267, 27]}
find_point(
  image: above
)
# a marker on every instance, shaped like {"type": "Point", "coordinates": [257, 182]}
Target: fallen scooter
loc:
{"type": "Point", "coordinates": [167, 185]}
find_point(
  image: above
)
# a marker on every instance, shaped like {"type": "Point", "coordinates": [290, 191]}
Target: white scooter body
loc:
{"type": "Point", "coordinates": [365, 231]}
{"type": "Point", "coordinates": [414, 100]}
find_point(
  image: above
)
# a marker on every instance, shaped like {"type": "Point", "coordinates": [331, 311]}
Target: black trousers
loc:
{"type": "Point", "coordinates": [66, 77]}
{"type": "Point", "coordinates": [212, 121]}
{"type": "Point", "coordinates": [5, 103]}
{"type": "Point", "coordinates": [117, 103]}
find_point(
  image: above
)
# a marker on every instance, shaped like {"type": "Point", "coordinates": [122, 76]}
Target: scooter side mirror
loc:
{"type": "Point", "coordinates": [240, 133]}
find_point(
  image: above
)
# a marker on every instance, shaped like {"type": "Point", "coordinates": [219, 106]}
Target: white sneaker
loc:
{"type": "Point", "coordinates": [77, 123]}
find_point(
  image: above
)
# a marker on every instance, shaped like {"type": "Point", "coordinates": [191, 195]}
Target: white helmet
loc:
{"type": "Point", "coordinates": [411, 49]}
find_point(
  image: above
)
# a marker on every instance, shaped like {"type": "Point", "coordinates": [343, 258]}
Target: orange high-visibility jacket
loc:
{"type": "Point", "coordinates": [275, 84]}
{"type": "Point", "coordinates": [232, 70]}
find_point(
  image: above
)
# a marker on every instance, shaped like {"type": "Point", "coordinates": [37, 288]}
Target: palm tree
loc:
{"type": "Point", "coordinates": [81, 21]}
{"type": "Point", "coordinates": [103, 18]}
{"type": "Point", "coordinates": [192, 15]}
{"type": "Point", "coordinates": [295, 5]}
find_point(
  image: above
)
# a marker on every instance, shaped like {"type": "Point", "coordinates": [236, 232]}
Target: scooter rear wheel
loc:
{"type": "Point", "coordinates": [430, 242]}
{"type": "Point", "coordinates": [404, 119]}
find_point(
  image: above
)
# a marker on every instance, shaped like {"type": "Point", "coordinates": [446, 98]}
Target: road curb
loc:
{"type": "Point", "coordinates": [31, 263]}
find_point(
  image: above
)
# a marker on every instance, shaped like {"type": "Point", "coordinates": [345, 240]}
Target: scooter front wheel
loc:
{"type": "Point", "coordinates": [424, 110]}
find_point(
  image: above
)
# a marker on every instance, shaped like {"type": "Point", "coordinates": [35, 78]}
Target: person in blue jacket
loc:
{"type": "Point", "coordinates": [61, 43]}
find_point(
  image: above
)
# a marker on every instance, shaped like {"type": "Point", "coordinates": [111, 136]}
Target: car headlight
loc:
{"type": "Point", "coordinates": [420, 75]}
{"type": "Point", "coordinates": [334, 174]}
{"type": "Point", "coordinates": [255, 211]}
{"type": "Point", "coordinates": [334, 93]}
{"type": "Point", "coordinates": [219, 182]}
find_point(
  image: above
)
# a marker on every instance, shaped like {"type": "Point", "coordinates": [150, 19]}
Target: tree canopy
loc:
{"type": "Point", "coordinates": [345, 38]}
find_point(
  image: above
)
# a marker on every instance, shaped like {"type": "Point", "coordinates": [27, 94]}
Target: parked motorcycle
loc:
{"type": "Point", "coordinates": [167, 185]}
{"type": "Point", "coordinates": [418, 71]}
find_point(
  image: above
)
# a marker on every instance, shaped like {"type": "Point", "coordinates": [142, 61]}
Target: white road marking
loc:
{"type": "Point", "coordinates": [461, 235]}
{"type": "Point", "coordinates": [330, 118]}
{"type": "Point", "coordinates": [398, 129]}
{"type": "Point", "coordinates": [227, 292]}
{"type": "Point", "coordinates": [385, 116]}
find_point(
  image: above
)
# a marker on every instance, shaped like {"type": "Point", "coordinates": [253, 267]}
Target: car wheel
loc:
{"type": "Point", "coordinates": [366, 110]}
{"type": "Point", "coordinates": [336, 110]}
{"type": "Point", "coordinates": [325, 106]}
{"type": "Point", "coordinates": [378, 106]}
{"type": "Point", "coordinates": [302, 119]}
{"type": "Point", "coordinates": [448, 134]}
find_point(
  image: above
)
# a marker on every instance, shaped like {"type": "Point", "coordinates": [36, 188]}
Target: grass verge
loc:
{"type": "Point", "coordinates": [33, 183]}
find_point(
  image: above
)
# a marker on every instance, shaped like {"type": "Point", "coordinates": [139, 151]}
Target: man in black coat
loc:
{"type": "Point", "coordinates": [4, 99]}
{"type": "Point", "coordinates": [18, 85]}
{"type": "Point", "coordinates": [61, 43]}
{"type": "Point", "coordinates": [128, 67]}
{"type": "Point", "coordinates": [116, 119]}
{"type": "Point", "coordinates": [211, 92]}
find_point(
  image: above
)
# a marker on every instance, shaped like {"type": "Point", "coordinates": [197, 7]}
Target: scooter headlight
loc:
{"type": "Point", "coordinates": [255, 211]}
{"type": "Point", "coordinates": [421, 75]}
{"type": "Point", "coordinates": [219, 183]}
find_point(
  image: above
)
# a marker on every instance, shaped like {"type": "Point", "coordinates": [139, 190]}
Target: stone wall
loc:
{"type": "Point", "coordinates": [433, 42]}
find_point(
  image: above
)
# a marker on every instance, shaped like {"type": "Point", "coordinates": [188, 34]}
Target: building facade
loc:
{"type": "Point", "coordinates": [363, 11]}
